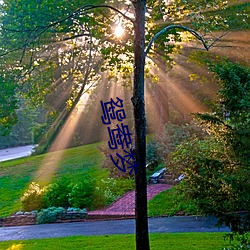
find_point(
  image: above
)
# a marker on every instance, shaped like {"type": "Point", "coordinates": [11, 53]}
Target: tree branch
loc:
{"type": "Point", "coordinates": [166, 29]}
{"type": "Point", "coordinates": [42, 29]}
{"type": "Point", "coordinates": [112, 8]}
{"type": "Point", "coordinates": [74, 13]}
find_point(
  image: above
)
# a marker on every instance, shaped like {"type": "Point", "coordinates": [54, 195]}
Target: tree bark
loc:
{"type": "Point", "coordinates": [142, 239]}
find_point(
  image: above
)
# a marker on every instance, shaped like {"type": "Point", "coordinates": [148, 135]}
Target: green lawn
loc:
{"type": "Point", "coordinates": [16, 175]}
{"type": "Point", "coordinates": [170, 241]}
{"type": "Point", "coordinates": [169, 202]}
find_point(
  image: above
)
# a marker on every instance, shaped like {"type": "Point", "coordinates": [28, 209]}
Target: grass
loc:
{"type": "Point", "coordinates": [170, 241]}
{"type": "Point", "coordinates": [16, 175]}
{"type": "Point", "coordinates": [169, 202]}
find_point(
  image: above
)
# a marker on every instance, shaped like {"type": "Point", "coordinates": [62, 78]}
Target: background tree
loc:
{"type": "Point", "coordinates": [8, 105]}
{"type": "Point", "coordinates": [216, 168]}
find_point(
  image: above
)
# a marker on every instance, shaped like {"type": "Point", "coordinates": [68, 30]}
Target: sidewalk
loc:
{"type": "Point", "coordinates": [124, 207]}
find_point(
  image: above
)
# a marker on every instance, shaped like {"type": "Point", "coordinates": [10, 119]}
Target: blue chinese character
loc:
{"type": "Point", "coordinates": [120, 136]}
{"type": "Point", "coordinates": [109, 112]}
{"type": "Point", "coordinates": [123, 169]}
{"type": "Point", "coordinates": [133, 165]}
{"type": "Point", "coordinates": [130, 154]}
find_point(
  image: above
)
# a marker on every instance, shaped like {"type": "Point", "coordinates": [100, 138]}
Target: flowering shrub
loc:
{"type": "Point", "coordinates": [33, 197]}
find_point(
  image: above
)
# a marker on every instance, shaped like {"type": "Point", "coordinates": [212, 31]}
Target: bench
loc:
{"type": "Point", "coordinates": [182, 176]}
{"type": "Point", "coordinates": [155, 177]}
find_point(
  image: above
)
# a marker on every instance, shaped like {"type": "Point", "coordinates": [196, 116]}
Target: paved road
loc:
{"type": "Point", "coordinates": [14, 153]}
{"type": "Point", "coordinates": [156, 225]}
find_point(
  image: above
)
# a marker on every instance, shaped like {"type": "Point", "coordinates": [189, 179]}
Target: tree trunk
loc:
{"type": "Point", "coordinates": [142, 239]}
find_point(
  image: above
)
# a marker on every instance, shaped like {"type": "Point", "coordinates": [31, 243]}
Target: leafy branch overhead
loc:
{"type": "Point", "coordinates": [35, 32]}
{"type": "Point", "coordinates": [51, 42]}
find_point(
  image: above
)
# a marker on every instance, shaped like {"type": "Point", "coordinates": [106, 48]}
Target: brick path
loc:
{"type": "Point", "coordinates": [124, 207]}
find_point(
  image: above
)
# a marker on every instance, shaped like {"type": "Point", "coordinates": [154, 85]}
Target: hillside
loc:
{"type": "Point", "coordinates": [73, 164]}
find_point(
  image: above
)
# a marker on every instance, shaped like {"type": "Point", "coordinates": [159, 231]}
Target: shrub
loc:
{"type": "Point", "coordinates": [109, 189]}
{"type": "Point", "coordinates": [123, 185]}
{"type": "Point", "coordinates": [38, 131]}
{"type": "Point", "coordinates": [57, 193]}
{"type": "Point", "coordinates": [48, 215]}
{"type": "Point", "coordinates": [165, 142]}
{"type": "Point", "coordinates": [243, 242]}
{"type": "Point", "coordinates": [108, 164]}
{"type": "Point", "coordinates": [73, 209]}
{"type": "Point", "coordinates": [33, 197]}
{"type": "Point", "coordinates": [81, 194]}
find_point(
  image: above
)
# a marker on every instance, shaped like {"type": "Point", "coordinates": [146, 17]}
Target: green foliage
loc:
{"type": "Point", "coordinates": [57, 193]}
{"type": "Point", "coordinates": [32, 199]}
{"type": "Point", "coordinates": [16, 175]}
{"type": "Point", "coordinates": [8, 105]}
{"type": "Point", "coordinates": [236, 16]}
{"type": "Point", "coordinates": [231, 123]}
{"type": "Point", "coordinates": [48, 215]}
{"type": "Point", "coordinates": [38, 131]}
{"type": "Point", "coordinates": [205, 175]}
{"type": "Point", "coordinates": [103, 193]}
{"type": "Point", "coordinates": [108, 190]}
{"type": "Point", "coordinates": [162, 144]}
{"type": "Point", "coordinates": [108, 164]}
{"type": "Point", "coordinates": [89, 193]}
{"type": "Point", "coordinates": [22, 132]}
{"type": "Point", "coordinates": [242, 241]}
{"type": "Point", "coordinates": [48, 43]}
{"type": "Point", "coordinates": [216, 168]}
{"type": "Point", "coordinates": [81, 194]}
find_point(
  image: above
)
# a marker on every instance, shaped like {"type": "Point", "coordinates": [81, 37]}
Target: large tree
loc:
{"type": "Point", "coordinates": [216, 167]}
{"type": "Point", "coordinates": [51, 35]}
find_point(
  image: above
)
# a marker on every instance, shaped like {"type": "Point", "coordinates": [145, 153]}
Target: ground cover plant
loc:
{"type": "Point", "coordinates": [171, 241]}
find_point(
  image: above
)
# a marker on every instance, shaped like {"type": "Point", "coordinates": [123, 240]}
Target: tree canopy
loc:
{"type": "Point", "coordinates": [57, 45]}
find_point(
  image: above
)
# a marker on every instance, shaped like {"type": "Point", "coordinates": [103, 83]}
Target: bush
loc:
{"type": "Point", "coordinates": [109, 189]}
{"type": "Point", "coordinates": [108, 164]}
{"type": "Point", "coordinates": [164, 143]}
{"type": "Point", "coordinates": [48, 215]}
{"type": "Point", "coordinates": [57, 193]}
{"type": "Point", "coordinates": [33, 198]}
{"type": "Point", "coordinates": [38, 131]}
{"type": "Point", "coordinates": [243, 242]}
{"type": "Point", "coordinates": [81, 194]}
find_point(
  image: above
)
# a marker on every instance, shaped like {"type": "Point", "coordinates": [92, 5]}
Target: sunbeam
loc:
{"type": "Point", "coordinates": [51, 161]}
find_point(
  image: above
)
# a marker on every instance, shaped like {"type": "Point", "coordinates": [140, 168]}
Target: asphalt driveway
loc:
{"type": "Point", "coordinates": [17, 152]}
{"type": "Point", "coordinates": [156, 225]}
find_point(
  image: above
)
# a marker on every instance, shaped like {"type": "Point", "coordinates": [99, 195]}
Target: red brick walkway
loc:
{"type": "Point", "coordinates": [124, 207]}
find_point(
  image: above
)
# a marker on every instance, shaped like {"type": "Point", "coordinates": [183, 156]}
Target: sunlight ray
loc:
{"type": "Point", "coordinates": [51, 161]}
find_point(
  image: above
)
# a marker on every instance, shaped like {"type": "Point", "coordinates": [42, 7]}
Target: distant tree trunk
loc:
{"type": "Point", "coordinates": [142, 239]}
